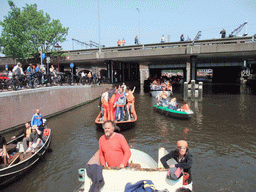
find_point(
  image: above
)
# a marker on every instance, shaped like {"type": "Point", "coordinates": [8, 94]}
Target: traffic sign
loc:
{"type": "Point", "coordinates": [68, 57]}
{"type": "Point", "coordinates": [71, 65]}
{"type": "Point", "coordinates": [42, 55]}
{"type": "Point", "coordinates": [48, 59]}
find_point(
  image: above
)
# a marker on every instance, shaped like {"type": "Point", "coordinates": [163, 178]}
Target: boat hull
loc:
{"type": "Point", "coordinates": [9, 174]}
{"type": "Point", "coordinates": [121, 124]}
{"type": "Point", "coordinates": [173, 113]}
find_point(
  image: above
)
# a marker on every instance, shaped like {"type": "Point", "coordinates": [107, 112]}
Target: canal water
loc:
{"type": "Point", "coordinates": [221, 138]}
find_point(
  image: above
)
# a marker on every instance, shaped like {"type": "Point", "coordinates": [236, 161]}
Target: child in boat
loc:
{"type": "Point", "coordinates": [173, 104]}
{"type": "Point", "coordinates": [162, 97]}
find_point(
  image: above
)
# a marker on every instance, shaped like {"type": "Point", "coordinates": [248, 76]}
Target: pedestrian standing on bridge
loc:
{"type": "Point", "coordinates": [162, 39]}
{"type": "Point", "coordinates": [123, 41]}
{"type": "Point", "coordinates": [136, 41]}
{"type": "Point", "coordinates": [223, 33]}
{"type": "Point", "coordinates": [119, 42]}
{"type": "Point", "coordinates": [182, 37]}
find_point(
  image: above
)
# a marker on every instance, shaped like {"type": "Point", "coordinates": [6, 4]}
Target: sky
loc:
{"type": "Point", "coordinates": [148, 19]}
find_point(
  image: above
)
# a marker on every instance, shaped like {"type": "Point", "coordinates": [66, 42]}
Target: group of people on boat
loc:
{"type": "Point", "coordinates": [114, 151]}
{"type": "Point", "coordinates": [32, 140]}
{"type": "Point", "coordinates": [117, 104]}
{"type": "Point", "coordinates": [160, 84]}
{"type": "Point", "coordinates": [162, 100]}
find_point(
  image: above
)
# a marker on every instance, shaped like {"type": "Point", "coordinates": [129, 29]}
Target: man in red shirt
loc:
{"type": "Point", "coordinates": [113, 147]}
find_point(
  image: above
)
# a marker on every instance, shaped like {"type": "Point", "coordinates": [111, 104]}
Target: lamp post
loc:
{"type": "Point", "coordinates": [58, 47]}
{"type": "Point", "coordinates": [139, 24]}
{"type": "Point", "coordinates": [99, 24]}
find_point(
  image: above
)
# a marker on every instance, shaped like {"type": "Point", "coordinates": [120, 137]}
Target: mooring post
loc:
{"type": "Point", "coordinates": [193, 88]}
{"type": "Point", "coordinates": [185, 97]}
{"type": "Point", "coordinates": [200, 89]}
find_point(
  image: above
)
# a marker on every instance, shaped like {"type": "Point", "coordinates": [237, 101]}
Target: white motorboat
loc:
{"type": "Point", "coordinates": [116, 179]}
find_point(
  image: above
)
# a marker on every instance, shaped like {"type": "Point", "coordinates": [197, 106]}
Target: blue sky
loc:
{"type": "Point", "coordinates": [120, 19]}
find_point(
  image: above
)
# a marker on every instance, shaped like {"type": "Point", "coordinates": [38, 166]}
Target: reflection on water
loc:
{"type": "Point", "coordinates": [221, 137]}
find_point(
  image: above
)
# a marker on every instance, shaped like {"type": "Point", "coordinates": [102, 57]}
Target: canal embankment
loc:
{"type": "Point", "coordinates": [18, 107]}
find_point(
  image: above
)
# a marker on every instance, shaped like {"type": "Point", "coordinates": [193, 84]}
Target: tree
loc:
{"type": "Point", "coordinates": [28, 32]}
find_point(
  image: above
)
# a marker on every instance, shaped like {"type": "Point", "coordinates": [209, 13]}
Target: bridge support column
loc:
{"type": "Point", "coordinates": [193, 63]}
{"type": "Point", "coordinates": [110, 71]}
{"type": "Point", "coordinates": [188, 69]}
{"type": "Point", "coordinates": [144, 73]}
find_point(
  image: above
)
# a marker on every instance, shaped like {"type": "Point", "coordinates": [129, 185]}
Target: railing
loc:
{"type": "Point", "coordinates": [223, 41]}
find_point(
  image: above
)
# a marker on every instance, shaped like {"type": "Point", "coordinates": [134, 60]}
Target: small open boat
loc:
{"type": "Point", "coordinates": [121, 124]}
{"type": "Point", "coordinates": [19, 162]}
{"type": "Point", "coordinates": [141, 167]}
{"type": "Point", "coordinates": [154, 93]}
{"type": "Point", "coordinates": [173, 113]}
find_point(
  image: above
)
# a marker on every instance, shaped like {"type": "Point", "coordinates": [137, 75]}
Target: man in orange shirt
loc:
{"type": "Point", "coordinates": [114, 150]}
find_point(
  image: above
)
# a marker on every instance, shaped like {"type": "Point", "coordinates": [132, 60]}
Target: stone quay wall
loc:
{"type": "Point", "coordinates": [18, 107]}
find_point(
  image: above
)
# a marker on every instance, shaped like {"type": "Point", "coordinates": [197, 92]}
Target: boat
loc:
{"type": "Point", "coordinates": [173, 113]}
{"type": "Point", "coordinates": [19, 163]}
{"type": "Point", "coordinates": [154, 93]}
{"type": "Point", "coordinates": [121, 124]}
{"type": "Point", "coordinates": [141, 167]}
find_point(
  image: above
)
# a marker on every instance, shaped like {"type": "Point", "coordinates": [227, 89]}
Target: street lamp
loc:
{"type": "Point", "coordinates": [139, 24]}
{"type": "Point", "coordinates": [57, 48]}
{"type": "Point", "coordinates": [99, 23]}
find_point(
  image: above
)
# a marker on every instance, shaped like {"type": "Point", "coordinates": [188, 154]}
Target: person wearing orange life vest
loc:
{"type": "Point", "coordinates": [119, 42]}
{"type": "Point", "coordinates": [130, 102]}
{"type": "Point", "coordinates": [111, 101]}
{"type": "Point", "coordinates": [105, 105]}
{"type": "Point", "coordinates": [123, 41]}
{"type": "Point", "coordinates": [185, 107]}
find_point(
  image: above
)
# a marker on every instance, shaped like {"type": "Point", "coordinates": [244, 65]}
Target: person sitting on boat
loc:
{"type": "Point", "coordinates": [35, 141]}
{"type": "Point", "coordinates": [182, 157]}
{"type": "Point", "coordinates": [173, 104]}
{"type": "Point", "coordinates": [105, 105]}
{"type": "Point", "coordinates": [26, 131]}
{"type": "Point", "coordinates": [185, 107]}
{"type": "Point", "coordinates": [37, 120]}
{"type": "Point", "coordinates": [120, 102]}
{"type": "Point", "coordinates": [162, 97]}
{"type": "Point", "coordinates": [114, 150]}
{"type": "Point", "coordinates": [3, 152]}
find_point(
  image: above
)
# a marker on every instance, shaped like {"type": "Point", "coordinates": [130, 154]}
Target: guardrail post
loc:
{"type": "Point", "coordinates": [185, 96]}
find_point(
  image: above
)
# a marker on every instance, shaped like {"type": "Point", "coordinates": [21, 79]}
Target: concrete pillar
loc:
{"type": "Point", "coordinates": [200, 91]}
{"type": "Point", "coordinates": [193, 88]}
{"type": "Point", "coordinates": [193, 62]}
{"type": "Point", "coordinates": [144, 73]}
{"type": "Point", "coordinates": [188, 69]}
{"type": "Point", "coordinates": [185, 96]}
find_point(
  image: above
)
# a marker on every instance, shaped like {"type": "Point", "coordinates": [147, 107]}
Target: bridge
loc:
{"type": "Point", "coordinates": [139, 61]}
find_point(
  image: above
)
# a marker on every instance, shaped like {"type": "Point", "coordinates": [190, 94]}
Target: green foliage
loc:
{"type": "Point", "coordinates": [28, 32]}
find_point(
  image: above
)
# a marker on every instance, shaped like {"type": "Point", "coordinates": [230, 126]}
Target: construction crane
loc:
{"type": "Point", "coordinates": [238, 29]}
{"type": "Point", "coordinates": [80, 42]}
{"type": "Point", "coordinates": [198, 35]}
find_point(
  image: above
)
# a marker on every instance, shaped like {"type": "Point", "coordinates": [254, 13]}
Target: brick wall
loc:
{"type": "Point", "coordinates": [18, 107]}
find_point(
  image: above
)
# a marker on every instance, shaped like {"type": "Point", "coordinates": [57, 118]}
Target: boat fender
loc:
{"type": "Point", "coordinates": [81, 173]}
{"type": "Point", "coordinates": [185, 178]}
